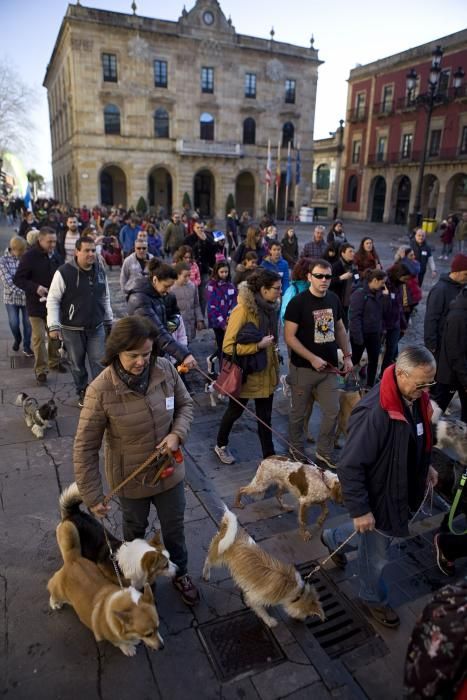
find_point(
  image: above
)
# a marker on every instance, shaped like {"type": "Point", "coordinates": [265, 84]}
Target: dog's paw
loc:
{"type": "Point", "coordinates": [55, 604]}
{"type": "Point", "coordinates": [238, 504]}
{"type": "Point", "coordinates": [206, 575]}
{"type": "Point", "coordinates": [306, 535]}
{"type": "Point", "coordinates": [271, 622]}
{"type": "Point", "coordinates": [127, 649]}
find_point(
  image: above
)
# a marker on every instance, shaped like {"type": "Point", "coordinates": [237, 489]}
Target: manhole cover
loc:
{"type": "Point", "coordinates": [239, 643]}
{"type": "Point", "coordinates": [345, 627]}
{"type": "Point", "coordinates": [21, 362]}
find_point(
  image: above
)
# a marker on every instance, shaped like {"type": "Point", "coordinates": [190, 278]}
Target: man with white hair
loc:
{"type": "Point", "coordinates": [385, 472]}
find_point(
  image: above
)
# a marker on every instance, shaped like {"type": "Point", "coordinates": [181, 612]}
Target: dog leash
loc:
{"type": "Point", "coordinates": [455, 504]}
{"type": "Point", "coordinates": [113, 557]}
{"type": "Point", "coordinates": [320, 566]}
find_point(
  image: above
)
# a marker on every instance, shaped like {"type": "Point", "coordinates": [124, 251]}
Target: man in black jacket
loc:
{"type": "Point", "coordinates": [204, 253]}
{"type": "Point", "coordinates": [78, 312]}
{"type": "Point", "coordinates": [344, 277]}
{"type": "Point", "coordinates": [385, 471]}
{"type": "Point", "coordinates": [34, 275]}
{"type": "Point", "coordinates": [437, 304]}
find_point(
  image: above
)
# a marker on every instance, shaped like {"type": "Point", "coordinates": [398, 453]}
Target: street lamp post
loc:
{"type": "Point", "coordinates": [428, 100]}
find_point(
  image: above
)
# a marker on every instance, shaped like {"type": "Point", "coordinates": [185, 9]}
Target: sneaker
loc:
{"type": "Point", "coordinates": [285, 385]}
{"type": "Point", "coordinates": [81, 398]}
{"type": "Point", "coordinates": [27, 352]}
{"type": "Point", "coordinates": [15, 347]}
{"type": "Point", "coordinates": [327, 461]}
{"type": "Point", "coordinates": [41, 378]}
{"type": "Point", "coordinates": [339, 560]}
{"type": "Point", "coordinates": [187, 589]}
{"type": "Point", "coordinates": [383, 614]}
{"type": "Point", "coordinates": [59, 368]}
{"type": "Point", "coordinates": [444, 565]}
{"type": "Point", "coordinates": [224, 454]}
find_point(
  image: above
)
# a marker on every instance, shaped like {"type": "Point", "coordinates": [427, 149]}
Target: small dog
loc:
{"type": "Point", "coordinates": [38, 418]}
{"type": "Point", "coordinates": [139, 561]}
{"type": "Point", "coordinates": [450, 433]}
{"type": "Point", "coordinates": [309, 484]}
{"type": "Point", "coordinates": [264, 580]}
{"type": "Point", "coordinates": [122, 616]}
{"type": "Point", "coordinates": [347, 401]}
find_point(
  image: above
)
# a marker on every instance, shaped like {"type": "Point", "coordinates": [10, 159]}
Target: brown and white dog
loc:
{"type": "Point", "coordinates": [139, 561]}
{"type": "Point", "coordinates": [450, 433]}
{"type": "Point", "coordinates": [309, 484]}
{"type": "Point", "coordinates": [263, 579]}
{"type": "Point", "coordinates": [122, 616]}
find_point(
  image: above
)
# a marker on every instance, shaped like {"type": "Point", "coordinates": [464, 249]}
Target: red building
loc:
{"type": "Point", "coordinates": [386, 129]}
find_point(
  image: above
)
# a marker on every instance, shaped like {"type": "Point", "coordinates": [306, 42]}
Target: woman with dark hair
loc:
{"type": "Point", "coordinates": [331, 254]}
{"type": "Point", "coordinates": [257, 311]}
{"type": "Point", "coordinates": [290, 246]}
{"type": "Point", "coordinates": [394, 323]}
{"type": "Point", "coordinates": [137, 403]}
{"type": "Point", "coordinates": [366, 257]}
{"type": "Point", "coordinates": [336, 233]}
{"type": "Point", "coordinates": [366, 320]}
{"type": "Point", "coordinates": [253, 242]}
{"type": "Point", "coordinates": [151, 297]}
{"type": "Point", "coordinates": [298, 284]}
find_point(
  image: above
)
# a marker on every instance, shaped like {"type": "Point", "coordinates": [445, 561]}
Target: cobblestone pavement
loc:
{"type": "Point", "coordinates": [46, 654]}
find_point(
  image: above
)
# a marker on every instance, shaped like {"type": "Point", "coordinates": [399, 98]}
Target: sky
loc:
{"type": "Point", "coordinates": [345, 33]}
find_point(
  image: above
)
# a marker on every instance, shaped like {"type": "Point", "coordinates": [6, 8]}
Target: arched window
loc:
{"type": "Point", "coordinates": [161, 124]}
{"type": "Point", "coordinates": [287, 134]}
{"type": "Point", "coordinates": [111, 119]}
{"type": "Point", "coordinates": [206, 127]}
{"type": "Point", "coordinates": [352, 187]}
{"type": "Point", "coordinates": [249, 131]}
{"type": "Point", "coordinates": [322, 177]}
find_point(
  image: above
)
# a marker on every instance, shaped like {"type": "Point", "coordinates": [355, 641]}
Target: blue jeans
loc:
{"type": "Point", "coordinates": [170, 507]}
{"type": "Point", "coordinates": [78, 344]}
{"type": "Point", "coordinates": [14, 311]}
{"type": "Point", "coordinates": [371, 560]}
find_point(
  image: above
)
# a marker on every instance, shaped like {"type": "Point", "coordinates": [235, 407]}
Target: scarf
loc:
{"type": "Point", "coordinates": [135, 382]}
{"type": "Point", "coordinates": [268, 313]}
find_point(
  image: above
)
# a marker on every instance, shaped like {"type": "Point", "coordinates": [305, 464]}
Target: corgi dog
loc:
{"type": "Point", "coordinates": [140, 562]}
{"type": "Point", "coordinates": [37, 417]}
{"type": "Point", "coordinates": [309, 484]}
{"type": "Point", "coordinates": [263, 579]}
{"type": "Point", "coordinates": [122, 616]}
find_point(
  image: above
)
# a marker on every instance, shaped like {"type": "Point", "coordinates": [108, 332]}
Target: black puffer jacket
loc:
{"type": "Point", "coordinates": [145, 301]}
{"type": "Point", "coordinates": [437, 307]}
{"type": "Point", "coordinates": [452, 363]}
{"type": "Point", "coordinates": [36, 269]}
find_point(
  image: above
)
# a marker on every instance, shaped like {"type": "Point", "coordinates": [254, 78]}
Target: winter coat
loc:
{"type": "Point", "coordinates": [294, 288]}
{"type": "Point", "coordinates": [145, 301]}
{"type": "Point", "coordinates": [437, 307]}
{"type": "Point", "coordinates": [131, 271]}
{"type": "Point", "coordinates": [77, 299]}
{"type": "Point", "coordinates": [155, 245]}
{"type": "Point", "coordinates": [195, 275]}
{"type": "Point", "coordinates": [281, 268]}
{"type": "Point", "coordinates": [259, 385]}
{"type": "Point", "coordinates": [128, 236]}
{"type": "Point", "coordinates": [460, 233]}
{"type": "Point", "coordinates": [373, 470]}
{"type": "Point", "coordinates": [422, 253]}
{"type": "Point", "coordinates": [290, 250]}
{"type": "Point", "coordinates": [174, 237]}
{"type": "Point", "coordinates": [204, 251]}
{"type": "Point", "coordinates": [221, 297]}
{"type": "Point", "coordinates": [131, 425]}
{"type": "Point", "coordinates": [188, 303]}
{"type": "Point", "coordinates": [243, 249]}
{"type": "Point", "coordinates": [447, 233]}
{"type": "Point", "coordinates": [452, 363]}
{"type": "Point", "coordinates": [315, 249]}
{"type": "Point", "coordinates": [36, 269]}
{"type": "Point", "coordinates": [369, 261]}
{"type": "Point", "coordinates": [365, 313]}
{"type": "Point", "coordinates": [343, 288]}
{"type": "Point", "coordinates": [12, 294]}
{"type": "Point", "coordinates": [393, 313]}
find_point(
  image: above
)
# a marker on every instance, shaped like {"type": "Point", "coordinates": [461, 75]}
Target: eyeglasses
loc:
{"type": "Point", "coordinates": [425, 385]}
{"type": "Point", "coordinates": [321, 276]}
{"type": "Point", "coordinates": [276, 289]}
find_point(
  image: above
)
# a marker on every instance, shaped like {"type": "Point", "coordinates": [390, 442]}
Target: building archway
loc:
{"type": "Point", "coordinates": [456, 194]}
{"type": "Point", "coordinates": [401, 199]}
{"type": "Point", "coordinates": [112, 185]}
{"type": "Point", "coordinates": [245, 193]}
{"type": "Point", "coordinates": [160, 190]}
{"type": "Point", "coordinates": [429, 200]}
{"type": "Point", "coordinates": [204, 193]}
{"type": "Point", "coordinates": [377, 198]}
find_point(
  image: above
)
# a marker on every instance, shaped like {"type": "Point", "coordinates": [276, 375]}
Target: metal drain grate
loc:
{"type": "Point", "coordinates": [21, 362]}
{"type": "Point", "coordinates": [239, 643]}
{"type": "Point", "coordinates": [345, 627]}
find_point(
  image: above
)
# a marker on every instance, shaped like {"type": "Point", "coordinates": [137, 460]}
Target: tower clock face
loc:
{"type": "Point", "coordinates": [208, 18]}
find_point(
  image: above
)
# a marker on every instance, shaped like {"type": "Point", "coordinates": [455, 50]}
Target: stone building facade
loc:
{"type": "Point", "coordinates": [155, 108]}
{"type": "Point", "coordinates": [327, 168]}
{"type": "Point", "coordinates": [385, 135]}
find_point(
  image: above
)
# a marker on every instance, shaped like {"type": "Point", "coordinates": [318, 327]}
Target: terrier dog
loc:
{"type": "Point", "coordinates": [264, 580]}
{"type": "Point", "coordinates": [139, 561]}
{"type": "Point", "coordinates": [38, 418]}
{"type": "Point", "coordinates": [309, 484]}
{"type": "Point", "coordinates": [122, 616]}
{"type": "Point", "coordinates": [450, 433]}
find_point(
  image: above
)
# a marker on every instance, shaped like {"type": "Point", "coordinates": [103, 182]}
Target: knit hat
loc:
{"type": "Point", "coordinates": [459, 263]}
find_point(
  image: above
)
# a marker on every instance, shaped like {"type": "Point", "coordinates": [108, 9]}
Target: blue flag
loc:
{"type": "Point", "coordinates": [288, 175]}
{"type": "Point", "coordinates": [297, 169]}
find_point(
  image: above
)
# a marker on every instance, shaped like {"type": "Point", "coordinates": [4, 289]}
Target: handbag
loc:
{"type": "Point", "coordinates": [230, 378]}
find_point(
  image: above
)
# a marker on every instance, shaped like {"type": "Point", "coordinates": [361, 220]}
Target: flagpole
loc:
{"type": "Point", "coordinates": [278, 181]}
{"type": "Point", "coordinates": [296, 183]}
{"type": "Point", "coordinates": [287, 179]}
{"type": "Point", "coordinates": [268, 175]}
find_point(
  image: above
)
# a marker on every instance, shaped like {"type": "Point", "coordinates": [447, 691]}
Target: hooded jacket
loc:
{"type": "Point", "coordinates": [78, 299]}
{"type": "Point", "coordinates": [373, 470]}
{"type": "Point", "coordinates": [258, 385]}
{"type": "Point", "coordinates": [437, 307]}
{"type": "Point", "coordinates": [452, 363]}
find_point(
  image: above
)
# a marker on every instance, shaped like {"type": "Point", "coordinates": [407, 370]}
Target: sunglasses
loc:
{"type": "Point", "coordinates": [321, 276]}
{"type": "Point", "coordinates": [141, 248]}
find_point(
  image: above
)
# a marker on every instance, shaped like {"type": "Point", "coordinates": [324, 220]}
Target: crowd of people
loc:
{"type": "Point", "coordinates": [250, 288]}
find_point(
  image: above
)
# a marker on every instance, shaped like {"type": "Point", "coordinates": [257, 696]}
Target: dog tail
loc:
{"type": "Point", "coordinates": [70, 501]}
{"type": "Point", "coordinates": [20, 398]}
{"type": "Point", "coordinates": [228, 530]}
{"type": "Point", "coordinates": [68, 541]}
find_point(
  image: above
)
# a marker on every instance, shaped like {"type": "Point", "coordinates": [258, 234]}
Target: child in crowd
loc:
{"type": "Point", "coordinates": [246, 268]}
{"type": "Point", "coordinates": [221, 297]}
{"type": "Point", "coordinates": [185, 254]}
{"type": "Point", "coordinates": [154, 241]}
{"type": "Point", "coordinates": [188, 301]}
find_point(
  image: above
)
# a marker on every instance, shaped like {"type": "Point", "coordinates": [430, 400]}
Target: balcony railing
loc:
{"type": "Point", "coordinates": [383, 109]}
{"type": "Point", "coordinates": [209, 148]}
{"type": "Point", "coordinates": [444, 154]}
{"type": "Point", "coordinates": [359, 114]}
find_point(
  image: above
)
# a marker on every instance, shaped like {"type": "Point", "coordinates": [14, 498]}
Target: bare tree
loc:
{"type": "Point", "coordinates": [16, 104]}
